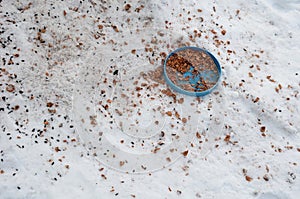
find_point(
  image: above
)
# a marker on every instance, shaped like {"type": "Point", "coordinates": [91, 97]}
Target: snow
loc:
{"type": "Point", "coordinates": [67, 132]}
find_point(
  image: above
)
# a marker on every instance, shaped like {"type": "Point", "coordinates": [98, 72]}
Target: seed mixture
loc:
{"type": "Point", "coordinates": [62, 69]}
{"type": "Point", "coordinates": [141, 113]}
{"type": "Point", "coordinates": [190, 64]}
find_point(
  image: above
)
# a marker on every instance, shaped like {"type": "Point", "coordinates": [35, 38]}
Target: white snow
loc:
{"type": "Point", "coordinates": [80, 123]}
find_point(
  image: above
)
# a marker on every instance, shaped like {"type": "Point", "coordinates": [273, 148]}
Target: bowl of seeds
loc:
{"type": "Point", "coordinates": [192, 71]}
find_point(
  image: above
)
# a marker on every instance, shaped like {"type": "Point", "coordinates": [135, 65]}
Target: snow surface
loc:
{"type": "Point", "coordinates": [78, 121]}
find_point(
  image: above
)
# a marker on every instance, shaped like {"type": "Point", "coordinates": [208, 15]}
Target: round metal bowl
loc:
{"type": "Point", "coordinates": [192, 71]}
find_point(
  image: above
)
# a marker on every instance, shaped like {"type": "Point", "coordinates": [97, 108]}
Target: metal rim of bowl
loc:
{"type": "Point", "coordinates": [180, 90]}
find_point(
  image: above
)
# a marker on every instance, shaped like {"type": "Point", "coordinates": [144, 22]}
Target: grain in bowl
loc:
{"type": "Point", "coordinates": [192, 71]}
